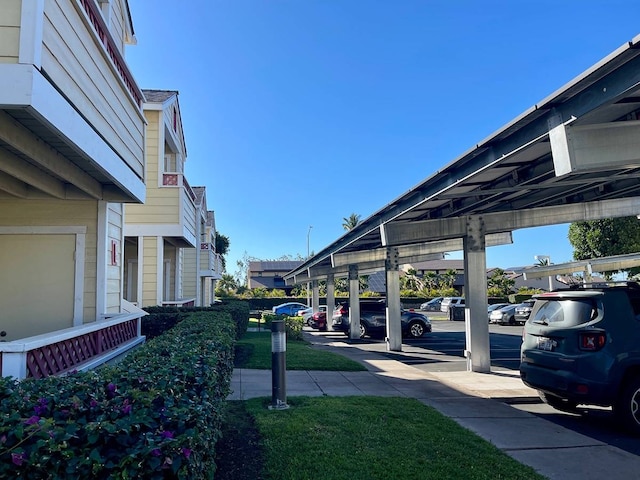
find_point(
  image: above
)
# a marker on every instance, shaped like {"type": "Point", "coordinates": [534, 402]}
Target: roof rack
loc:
{"type": "Point", "coordinates": [613, 284]}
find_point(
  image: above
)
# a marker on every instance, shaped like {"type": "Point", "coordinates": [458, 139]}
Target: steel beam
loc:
{"type": "Point", "coordinates": [444, 228]}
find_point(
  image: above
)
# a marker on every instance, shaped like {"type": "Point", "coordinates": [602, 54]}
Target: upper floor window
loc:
{"type": "Point", "coordinates": [170, 162]}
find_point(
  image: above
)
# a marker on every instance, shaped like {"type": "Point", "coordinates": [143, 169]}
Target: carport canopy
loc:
{"type": "Point", "coordinates": [574, 156]}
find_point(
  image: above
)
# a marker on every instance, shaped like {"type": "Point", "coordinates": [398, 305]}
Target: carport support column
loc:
{"type": "Point", "coordinates": [331, 298]}
{"type": "Point", "coordinates": [315, 296]}
{"type": "Point", "coordinates": [354, 302]}
{"type": "Point", "coordinates": [475, 284]}
{"type": "Point", "coordinates": [394, 328]}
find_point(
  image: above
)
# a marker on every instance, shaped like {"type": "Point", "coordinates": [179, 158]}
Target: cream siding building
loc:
{"type": "Point", "coordinates": [71, 153]}
{"type": "Point", "coordinates": [157, 231]}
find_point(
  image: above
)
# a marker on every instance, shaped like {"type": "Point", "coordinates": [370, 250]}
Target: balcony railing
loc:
{"type": "Point", "coordinates": [178, 180]}
{"type": "Point", "coordinates": [76, 348]}
{"type": "Point", "coordinates": [210, 261]}
{"type": "Point", "coordinates": [93, 13]}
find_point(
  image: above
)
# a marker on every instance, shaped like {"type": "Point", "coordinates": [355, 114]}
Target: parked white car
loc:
{"type": "Point", "coordinates": [447, 301]}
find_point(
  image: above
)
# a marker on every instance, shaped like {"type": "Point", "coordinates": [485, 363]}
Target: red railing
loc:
{"type": "Point", "coordinates": [75, 348]}
{"type": "Point", "coordinates": [174, 180]}
{"type": "Point", "coordinates": [102, 31]}
{"type": "Point", "coordinates": [64, 356]}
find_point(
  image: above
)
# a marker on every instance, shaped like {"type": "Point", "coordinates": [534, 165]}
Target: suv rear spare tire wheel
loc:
{"type": "Point", "coordinates": [627, 406]}
{"type": "Point", "coordinates": [415, 329]}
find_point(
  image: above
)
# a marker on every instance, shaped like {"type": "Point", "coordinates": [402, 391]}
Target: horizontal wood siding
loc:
{"type": "Point", "coordinates": [162, 205]}
{"type": "Point", "coordinates": [189, 215]}
{"type": "Point", "coordinates": [10, 30]}
{"type": "Point", "coordinates": [170, 253]}
{"type": "Point", "coordinates": [150, 272]}
{"type": "Point", "coordinates": [114, 279]}
{"type": "Point", "coordinates": [20, 213]}
{"type": "Point", "coordinates": [78, 65]}
{"type": "Point", "coordinates": [189, 272]}
{"type": "Point", "coordinates": [117, 19]}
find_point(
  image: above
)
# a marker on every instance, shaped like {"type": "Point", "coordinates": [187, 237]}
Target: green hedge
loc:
{"type": "Point", "coordinates": [154, 415]}
{"type": "Point", "coordinates": [162, 318]}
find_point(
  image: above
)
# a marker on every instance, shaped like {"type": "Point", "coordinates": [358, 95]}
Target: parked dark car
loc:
{"type": "Point", "coordinates": [373, 320]}
{"type": "Point", "coordinates": [432, 305]}
{"type": "Point", "coordinates": [524, 310]}
{"type": "Point", "coordinates": [504, 316]}
{"type": "Point", "coordinates": [581, 345]}
{"type": "Point", "coordinates": [290, 308]}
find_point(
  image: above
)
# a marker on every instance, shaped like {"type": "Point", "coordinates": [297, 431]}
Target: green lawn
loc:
{"type": "Point", "coordinates": [357, 438]}
{"type": "Point", "coordinates": [350, 438]}
{"type": "Point", "coordinates": [254, 351]}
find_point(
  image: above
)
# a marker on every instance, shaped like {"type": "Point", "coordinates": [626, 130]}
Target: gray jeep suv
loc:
{"type": "Point", "coordinates": [582, 346]}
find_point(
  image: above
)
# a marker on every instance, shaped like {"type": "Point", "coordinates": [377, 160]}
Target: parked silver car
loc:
{"type": "Point", "coordinates": [504, 316]}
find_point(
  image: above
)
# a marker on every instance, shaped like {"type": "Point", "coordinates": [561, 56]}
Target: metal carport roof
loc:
{"type": "Point", "coordinates": [573, 156]}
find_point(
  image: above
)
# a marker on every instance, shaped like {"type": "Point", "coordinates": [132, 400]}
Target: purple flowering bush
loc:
{"type": "Point", "coordinates": [155, 415]}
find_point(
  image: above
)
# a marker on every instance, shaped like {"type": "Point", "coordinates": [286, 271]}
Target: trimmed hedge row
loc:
{"type": "Point", "coordinates": [162, 318]}
{"type": "Point", "coordinates": [155, 415]}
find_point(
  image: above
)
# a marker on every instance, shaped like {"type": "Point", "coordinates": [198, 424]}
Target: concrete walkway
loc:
{"type": "Point", "coordinates": [474, 400]}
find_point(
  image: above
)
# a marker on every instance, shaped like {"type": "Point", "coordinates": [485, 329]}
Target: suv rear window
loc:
{"type": "Point", "coordinates": [564, 312]}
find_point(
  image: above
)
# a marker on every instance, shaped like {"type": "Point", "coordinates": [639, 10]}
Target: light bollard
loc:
{"type": "Point", "coordinates": [278, 366]}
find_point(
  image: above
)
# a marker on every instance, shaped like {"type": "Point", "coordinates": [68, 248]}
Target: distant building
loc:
{"type": "Point", "coordinates": [270, 274]}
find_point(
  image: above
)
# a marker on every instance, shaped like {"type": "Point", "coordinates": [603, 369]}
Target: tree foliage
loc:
{"type": "Point", "coordinates": [498, 284]}
{"type": "Point", "coordinates": [222, 248]}
{"type": "Point", "coordinates": [604, 238]}
{"type": "Point", "coordinates": [351, 221]}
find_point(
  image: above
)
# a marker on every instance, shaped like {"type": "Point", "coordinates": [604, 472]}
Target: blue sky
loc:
{"type": "Point", "coordinates": [301, 112]}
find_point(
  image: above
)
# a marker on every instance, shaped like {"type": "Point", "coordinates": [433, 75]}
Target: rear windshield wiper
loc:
{"type": "Point", "coordinates": [540, 322]}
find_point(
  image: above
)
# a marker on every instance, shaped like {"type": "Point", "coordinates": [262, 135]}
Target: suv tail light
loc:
{"type": "Point", "coordinates": [344, 311]}
{"type": "Point", "coordinates": [592, 341]}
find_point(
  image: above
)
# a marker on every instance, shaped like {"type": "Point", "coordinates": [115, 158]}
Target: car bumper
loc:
{"type": "Point", "coordinates": [339, 324]}
{"type": "Point", "coordinates": [566, 384]}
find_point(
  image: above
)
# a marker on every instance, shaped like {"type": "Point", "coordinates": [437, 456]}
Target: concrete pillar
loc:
{"type": "Point", "coordinates": [315, 295]}
{"type": "Point", "coordinates": [393, 310]}
{"type": "Point", "coordinates": [354, 302]}
{"type": "Point", "coordinates": [331, 298]}
{"type": "Point", "coordinates": [475, 268]}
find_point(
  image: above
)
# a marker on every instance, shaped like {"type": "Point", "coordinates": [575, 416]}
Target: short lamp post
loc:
{"type": "Point", "coordinates": [278, 366]}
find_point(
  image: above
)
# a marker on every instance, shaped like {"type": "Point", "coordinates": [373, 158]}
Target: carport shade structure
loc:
{"type": "Point", "coordinates": [574, 156]}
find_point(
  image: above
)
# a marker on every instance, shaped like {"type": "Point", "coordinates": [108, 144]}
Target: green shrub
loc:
{"type": "Point", "coordinates": [293, 327]}
{"type": "Point", "coordinates": [156, 324]}
{"type": "Point", "coordinates": [156, 414]}
{"type": "Point", "coordinates": [163, 318]}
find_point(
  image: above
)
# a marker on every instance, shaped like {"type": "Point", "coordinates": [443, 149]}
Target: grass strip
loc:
{"type": "Point", "coordinates": [253, 350]}
{"type": "Point", "coordinates": [370, 438]}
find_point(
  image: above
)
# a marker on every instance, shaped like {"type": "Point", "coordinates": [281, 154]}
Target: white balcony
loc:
{"type": "Point", "coordinates": [210, 262]}
{"type": "Point", "coordinates": [71, 120]}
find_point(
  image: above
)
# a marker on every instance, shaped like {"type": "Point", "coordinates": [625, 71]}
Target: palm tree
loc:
{"type": "Point", "coordinates": [411, 281]}
{"type": "Point", "coordinates": [448, 278]}
{"type": "Point", "coordinates": [351, 221]}
{"type": "Point", "coordinates": [227, 283]}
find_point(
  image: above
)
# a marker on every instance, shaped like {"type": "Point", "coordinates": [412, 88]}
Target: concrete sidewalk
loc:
{"type": "Point", "coordinates": [474, 400]}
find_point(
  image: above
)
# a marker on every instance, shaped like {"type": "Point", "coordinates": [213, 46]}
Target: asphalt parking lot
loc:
{"type": "Point", "coordinates": [443, 350]}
